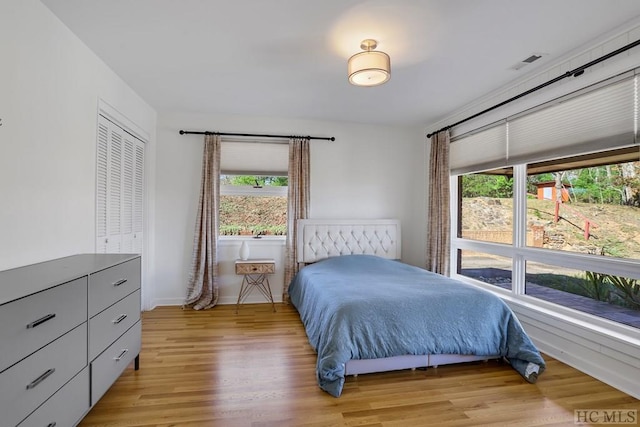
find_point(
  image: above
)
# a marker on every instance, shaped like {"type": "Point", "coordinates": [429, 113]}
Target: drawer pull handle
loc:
{"type": "Point", "coordinates": [122, 353]}
{"type": "Point", "coordinates": [53, 424]}
{"type": "Point", "coordinates": [41, 378]}
{"type": "Point", "coordinates": [40, 321]}
{"type": "Point", "coordinates": [119, 319]}
{"type": "Point", "coordinates": [119, 282]}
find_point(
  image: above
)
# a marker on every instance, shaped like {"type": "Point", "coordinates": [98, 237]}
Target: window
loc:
{"type": "Point", "coordinates": [253, 188]}
{"type": "Point", "coordinates": [486, 207]}
{"type": "Point", "coordinates": [578, 226]}
{"type": "Point", "coordinates": [546, 203]}
{"type": "Point", "coordinates": [610, 296]}
{"type": "Point", "coordinates": [488, 268]}
{"type": "Point", "coordinates": [253, 205]}
{"type": "Point", "coordinates": [591, 209]}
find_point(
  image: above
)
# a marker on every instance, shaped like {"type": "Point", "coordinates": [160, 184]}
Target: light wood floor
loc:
{"type": "Point", "coordinates": [256, 368]}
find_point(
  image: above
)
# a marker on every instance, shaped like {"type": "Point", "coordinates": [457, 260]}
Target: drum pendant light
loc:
{"type": "Point", "coordinates": [370, 67]}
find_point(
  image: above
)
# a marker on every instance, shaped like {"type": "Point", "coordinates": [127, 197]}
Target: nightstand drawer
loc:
{"type": "Point", "coordinates": [255, 267]}
{"type": "Point", "coordinates": [66, 407]}
{"type": "Point", "coordinates": [111, 323]}
{"type": "Point", "coordinates": [26, 385]}
{"type": "Point", "coordinates": [112, 284]}
{"type": "Point", "coordinates": [31, 323]}
{"type": "Point", "coordinates": [107, 367]}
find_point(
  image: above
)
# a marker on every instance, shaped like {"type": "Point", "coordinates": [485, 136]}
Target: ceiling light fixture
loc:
{"type": "Point", "coordinates": [371, 67]}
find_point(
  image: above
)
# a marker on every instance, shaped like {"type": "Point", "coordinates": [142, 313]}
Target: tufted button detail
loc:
{"type": "Point", "coordinates": [326, 240]}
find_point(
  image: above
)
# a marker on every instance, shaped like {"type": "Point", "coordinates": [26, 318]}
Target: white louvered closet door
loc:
{"type": "Point", "coordinates": [102, 181]}
{"type": "Point", "coordinates": [119, 190]}
{"type": "Point", "coordinates": [138, 196]}
{"type": "Point", "coordinates": [127, 196]}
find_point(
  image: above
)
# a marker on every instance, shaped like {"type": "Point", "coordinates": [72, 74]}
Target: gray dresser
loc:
{"type": "Point", "coordinates": [68, 328]}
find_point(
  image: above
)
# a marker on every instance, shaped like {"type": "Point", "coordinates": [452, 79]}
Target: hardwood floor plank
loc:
{"type": "Point", "coordinates": [257, 369]}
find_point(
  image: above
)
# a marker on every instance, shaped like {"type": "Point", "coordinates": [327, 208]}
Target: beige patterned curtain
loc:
{"type": "Point", "coordinates": [298, 207]}
{"type": "Point", "coordinates": [439, 231]}
{"type": "Point", "coordinates": [202, 287]}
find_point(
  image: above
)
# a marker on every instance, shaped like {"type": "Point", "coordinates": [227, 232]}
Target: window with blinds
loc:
{"type": "Point", "coordinates": [119, 189]}
{"type": "Point", "coordinates": [547, 204]}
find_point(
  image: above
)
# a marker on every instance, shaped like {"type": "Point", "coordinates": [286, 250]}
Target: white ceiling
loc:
{"type": "Point", "coordinates": [288, 58]}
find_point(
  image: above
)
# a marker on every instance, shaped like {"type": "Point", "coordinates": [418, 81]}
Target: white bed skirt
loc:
{"type": "Point", "coordinates": [367, 366]}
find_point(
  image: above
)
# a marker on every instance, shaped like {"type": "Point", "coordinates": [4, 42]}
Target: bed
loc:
{"type": "Point", "coordinates": [365, 311]}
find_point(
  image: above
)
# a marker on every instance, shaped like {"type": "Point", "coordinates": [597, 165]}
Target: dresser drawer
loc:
{"type": "Point", "coordinates": [27, 384]}
{"type": "Point", "coordinates": [112, 284]}
{"type": "Point", "coordinates": [66, 407]}
{"type": "Point", "coordinates": [111, 323]}
{"type": "Point", "coordinates": [107, 367]}
{"type": "Point", "coordinates": [30, 323]}
{"type": "Point", "coordinates": [255, 267]}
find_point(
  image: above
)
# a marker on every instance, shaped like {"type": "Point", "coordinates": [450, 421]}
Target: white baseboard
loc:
{"type": "Point", "coordinates": [166, 301]}
{"type": "Point", "coordinates": [221, 301]}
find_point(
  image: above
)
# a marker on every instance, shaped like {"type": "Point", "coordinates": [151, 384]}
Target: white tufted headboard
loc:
{"type": "Point", "coordinates": [323, 238]}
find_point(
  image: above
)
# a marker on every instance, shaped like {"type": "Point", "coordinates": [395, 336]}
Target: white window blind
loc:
{"type": "Point", "coordinates": [485, 149]}
{"type": "Point", "coordinates": [254, 158]}
{"type": "Point", "coordinates": [599, 118]}
{"type": "Point", "coordinates": [119, 190]}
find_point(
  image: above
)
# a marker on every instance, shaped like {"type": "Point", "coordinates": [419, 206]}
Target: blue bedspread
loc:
{"type": "Point", "coordinates": [366, 307]}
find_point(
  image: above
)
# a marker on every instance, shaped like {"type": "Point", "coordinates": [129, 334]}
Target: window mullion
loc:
{"type": "Point", "coordinates": [455, 215]}
{"type": "Point", "coordinates": [519, 228]}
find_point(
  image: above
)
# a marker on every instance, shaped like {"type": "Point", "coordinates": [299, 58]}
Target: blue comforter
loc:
{"type": "Point", "coordinates": [366, 307]}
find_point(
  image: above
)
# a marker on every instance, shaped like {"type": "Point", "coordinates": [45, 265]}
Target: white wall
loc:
{"type": "Point", "coordinates": [50, 86]}
{"type": "Point", "coordinates": [368, 172]}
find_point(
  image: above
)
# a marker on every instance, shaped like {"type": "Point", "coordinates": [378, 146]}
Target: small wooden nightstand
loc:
{"type": "Point", "coordinates": [254, 272]}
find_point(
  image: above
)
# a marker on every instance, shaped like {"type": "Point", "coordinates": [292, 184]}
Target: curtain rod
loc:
{"type": "Point", "coordinates": [575, 73]}
{"type": "Point", "coordinates": [189, 132]}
